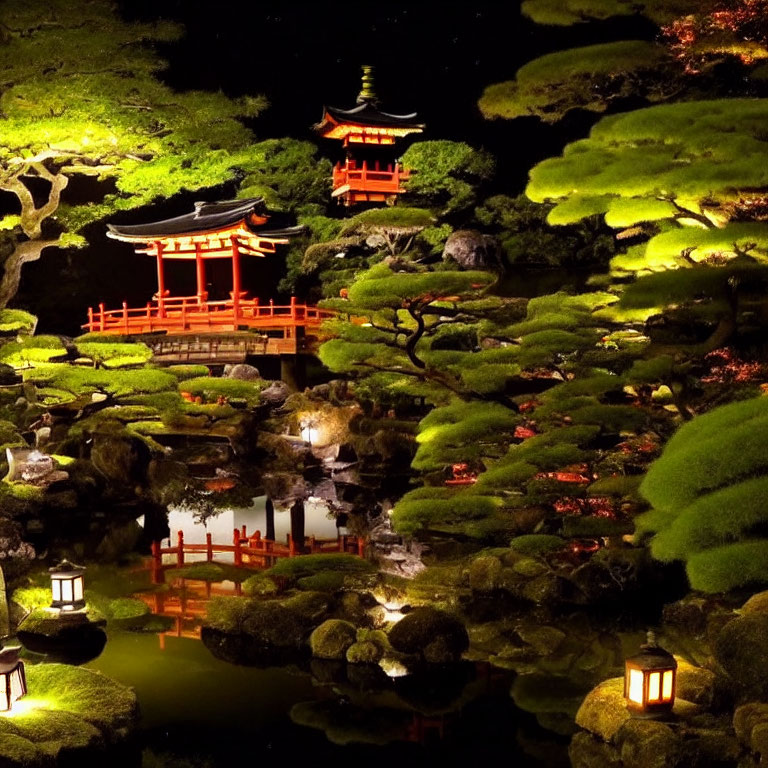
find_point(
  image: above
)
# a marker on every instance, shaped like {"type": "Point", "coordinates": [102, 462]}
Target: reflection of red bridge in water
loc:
{"type": "Point", "coordinates": [187, 605]}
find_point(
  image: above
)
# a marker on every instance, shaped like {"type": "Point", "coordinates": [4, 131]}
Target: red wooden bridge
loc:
{"type": "Point", "coordinates": [193, 314]}
{"type": "Point", "coordinates": [247, 551]}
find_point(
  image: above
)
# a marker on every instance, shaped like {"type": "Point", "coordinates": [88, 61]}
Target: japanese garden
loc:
{"type": "Point", "coordinates": [384, 383]}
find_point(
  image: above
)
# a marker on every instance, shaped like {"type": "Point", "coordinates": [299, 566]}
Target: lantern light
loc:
{"type": "Point", "coordinates": [67, 586]}
{"type": "Point", "coordinates": [309, 431]}
{"type": "Point", "coordinates": [649, 680]}
{"type": "Point", "coordinates": [13, 681]}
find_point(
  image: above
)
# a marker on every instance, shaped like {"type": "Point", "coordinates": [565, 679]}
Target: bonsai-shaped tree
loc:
{"type": "Point", "coordinates": [708, 491]}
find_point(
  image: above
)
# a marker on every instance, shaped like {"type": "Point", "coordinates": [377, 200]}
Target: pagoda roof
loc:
{"type": "Point", "coordinates": [367, 113]}
{"type": "Point", "coordinates": [218, 216]}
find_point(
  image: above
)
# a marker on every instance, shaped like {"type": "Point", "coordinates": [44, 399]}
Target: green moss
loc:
{"type": "Point", "coordinates": [332, 639]}
{"type": "Point", "coordinates": [184, 372]}
{"type": "Point", "coordinates": [732, 566]}
{"type": "Point", "coordinates": [325, 581]}
{"type": "Point", "coordinates": [536, 544]}
{"type": "Point", "coordinates": [295, 568]}
{"type": "Point", "coordinates": [210, 572]}
{"type": "Point", "coordinates": [100, 701]}
{"type": "Point", "coordinates": [210, 388]}
{"type": "Point", "coordinates": [259, 585]}
{"type": "Point", "coordinates": [16, 321]}
{"type": "Point", "coordinates": [119, 383]}
{"type": "Point", "coordinates": [31, 598]}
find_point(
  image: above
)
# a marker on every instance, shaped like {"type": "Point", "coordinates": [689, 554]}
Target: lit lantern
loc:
{"type": "Point", "coordinates": [649, 680]}
{"type": "Point", "coordinates": [309, 432]}
{"type": "Point", "coordinates": [13, 681]}
{"type": "Point", "coordinates": [67, 586]}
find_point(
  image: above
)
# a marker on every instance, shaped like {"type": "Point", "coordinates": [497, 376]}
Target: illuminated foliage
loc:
{"type": "Point", "coordinates": [589, 78]}
{"type": "Point", "coordinates": [79, 97]}
{"type": "Point", "coordinates": [715, 462]}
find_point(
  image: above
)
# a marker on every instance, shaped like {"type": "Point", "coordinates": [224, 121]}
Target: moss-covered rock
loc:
{"type": "Point", "coordinates": [128, 612]}
{"type": "Point", "coordinates": [435, 636]}
{"type": "Point", "coordinates": [70, 712]}
{"type": "Point", "coordinates": [364, 652]}
{"type": "Point", "coordinates": [758, 603]}
{"type": "Point", "coordinates": [695, 684]}
{"type": "Point", "coordinates": [76, 637]}
{"type": "Point", "coordinates": [603, 711]}
{"type": "Point", "coordinates": [259, 585]}
{"type": "Point", "coordinates": [332, 639]}
{"type": "Point", "coordinates": [741, 649]}
{"type": "Point", "coordinates": [649, 744]}
{"type": "Point", "coordinates": [485, 573]}
{"type": "Point", "coordinates": [750, 722]}
{"type": "Point", "coordinates": [256, 627]}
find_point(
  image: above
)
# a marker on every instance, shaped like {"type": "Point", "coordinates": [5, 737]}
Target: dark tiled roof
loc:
{"type": "Point", "coordinates": [207, 217]}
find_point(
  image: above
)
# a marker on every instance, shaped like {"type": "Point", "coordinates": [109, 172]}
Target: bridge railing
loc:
{"type": "Point", "coordinates": [248, 551]}
{"type": "Point", "coordinates": [370, 179]}
{"type": "Point", "coordinates": [178, 313]}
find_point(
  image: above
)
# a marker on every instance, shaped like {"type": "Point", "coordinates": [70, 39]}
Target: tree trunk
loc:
{"type": "Point", "coordinates": [270, 515]}
{"type": "Point", "coordinates": [297, 524]}
{"type": "Point", "coordinates": [27, 251]}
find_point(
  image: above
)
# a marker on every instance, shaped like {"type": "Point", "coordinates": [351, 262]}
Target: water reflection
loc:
{"type": "Point", "coordinates": [317, 520]}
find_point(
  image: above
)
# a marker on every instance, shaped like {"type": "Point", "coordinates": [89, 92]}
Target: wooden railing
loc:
{"type": "Point", "coordinates": [370, 179]}
{"type": "Point", "coordinates": [191, 313]}
{"type": "Point", "coordinates": [248, 551]}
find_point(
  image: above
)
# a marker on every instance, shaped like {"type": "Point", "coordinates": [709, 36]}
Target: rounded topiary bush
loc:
{"type": "Point", "coordinates": [434, 635]}
{"type": "Point", "coordinates": [332, 639]}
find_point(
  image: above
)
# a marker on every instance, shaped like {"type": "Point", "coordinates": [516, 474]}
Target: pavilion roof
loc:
{"type": "Point", "coordinates": [220, 216]}
{"type": "Point", "coordinates": [367, 113]}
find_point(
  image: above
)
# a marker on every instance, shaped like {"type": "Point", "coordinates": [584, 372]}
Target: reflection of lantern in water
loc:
{"type": "Point", "coordinates": [649, 680]}
{"type": "Point", "coordinates": [67, 586]}
{"type": "Point", "coordinates": [13, 681]}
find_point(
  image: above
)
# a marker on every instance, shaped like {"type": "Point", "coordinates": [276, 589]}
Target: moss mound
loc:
{"type": "Point", "coordinates": [296, 568]}
{"type": "Point", "coordinates": [69, 711]}
{"type": "Point", "coordinates": [210, 572]}
{"type": "Point", "coordinates": [332, 639]}
{"type": "Point", "coordinates": [259, 585]}
{"type": "Point", "coordinates": [434, 635]}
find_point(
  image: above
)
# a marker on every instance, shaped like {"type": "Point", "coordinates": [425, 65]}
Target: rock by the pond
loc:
{"type": "Point", "coordinates": [332, 639]}
{"type": "Point", "coordinates": [471, 249]}
{"type": "Point", "coordinates": [741, 649]}
{"type": "Point", "coordinates": [649, 744]}
{"type": "Point", "coordinates": [695, 684]}
{"type": "Point", "coordinates": [750, 721]}
{"type": "Point", "coordinates": [260, 627]}
{"type": "Point", "coordinates": [75, 636]}
{"type": "Point", "coordinates": [586, 751]}
{"type": "Point", "coordinates": [758, 603]}
{"type": "Point", "coordinates": [485, 574]}
{"type": "Point", "coordinates": [75, 713]}
{"type": "Point", "coordinates": [604, 711]}
{"type": "Point", "coordinates": [242, 372]}
{"type": "Point", "coordinates": [436, 636]}
{"type": "Point", "coordinates": [275, 394]}
{"type": "Point", "coordinates": [364, 652]}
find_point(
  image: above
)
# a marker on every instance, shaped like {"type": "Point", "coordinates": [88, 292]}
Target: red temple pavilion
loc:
{"type": "Point", "coordinates": [230, 229]}
{"type": "Point", "coordinates": [370, 172]}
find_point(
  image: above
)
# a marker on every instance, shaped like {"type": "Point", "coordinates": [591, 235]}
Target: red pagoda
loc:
{"type": "Point", "coordinates": [229, 229]}
{"type": "Point", "coordinates": [370, 172]}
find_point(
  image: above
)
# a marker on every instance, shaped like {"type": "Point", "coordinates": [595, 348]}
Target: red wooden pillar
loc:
{"type": "Point", "coordinates": [293, 307]}
{"type": "Point", "coordinates": [160, 280]}
{"type": "Point", "coordinates": [236, 282]}
{"type": "Point", "coordinates": [291, 546]}
{"type": "Point", "coordinates": [180, 555]}
{"type": "Point", "coordinates": [209, 547]}
{"type": "Point", "coordinates": [102, 319]}
{"type": "Point", "coordinates": [360, 546]}
{"type": "Point", "coordinates": [125, 316]}
{"type": "Point", "coordinates": [238, 549]}
{"type": "Point", "coordinates": [90, 318]}
{"type": "Point", "coordinates": [200, 269]}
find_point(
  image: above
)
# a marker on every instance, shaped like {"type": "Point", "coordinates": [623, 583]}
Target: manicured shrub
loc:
{"type": "Point", "coordinates": [536, 544]}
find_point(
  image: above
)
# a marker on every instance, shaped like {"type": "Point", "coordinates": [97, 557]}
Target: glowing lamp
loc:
{"type": "Point", "coordinates": [649, 680]}
{"type": "Point", "coordinates": [13, 681]}
{"type": "Point", "coordinates": [67, 586]}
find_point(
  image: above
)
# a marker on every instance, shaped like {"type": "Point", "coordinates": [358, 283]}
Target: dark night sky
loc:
{"type": "Point", "coordinates": [434, 58]}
